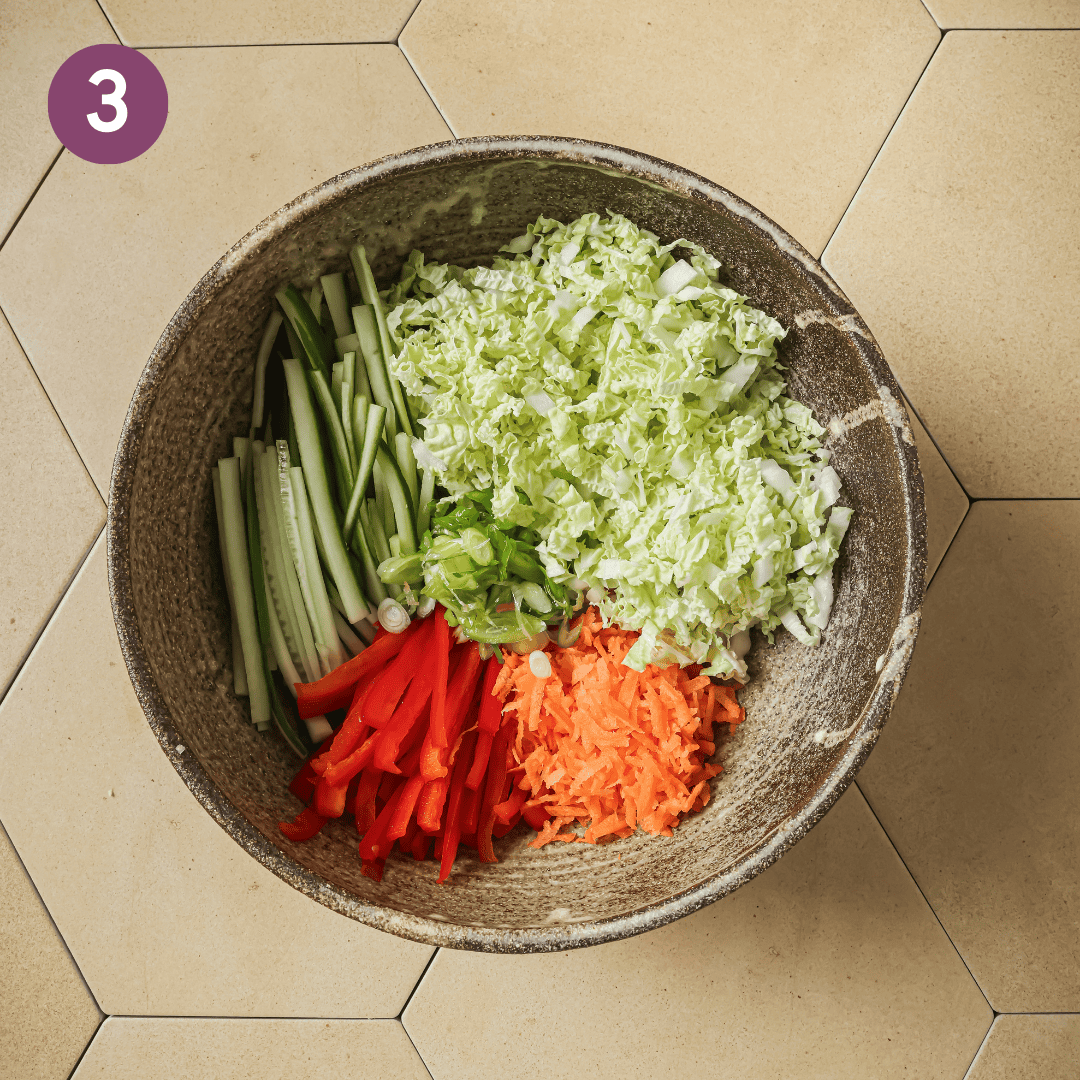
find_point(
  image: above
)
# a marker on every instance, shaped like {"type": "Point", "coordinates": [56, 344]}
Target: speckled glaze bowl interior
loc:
{"type": "Point", "coordinates": [812, 714]}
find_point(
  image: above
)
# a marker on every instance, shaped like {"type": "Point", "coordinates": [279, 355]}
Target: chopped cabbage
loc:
{"type": "Point", "coordinates": [629, 408]}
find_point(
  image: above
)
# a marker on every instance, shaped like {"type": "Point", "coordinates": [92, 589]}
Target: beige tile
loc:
{"type": "Point", "coordinates": [946, 503]}
{"type": "Point", "coordinates": [786, 109]}
{"type": "Point", "coordinates": [1040, 1047]}
{"type": "Point", "coordinates": [829, 966]}
{"type": "Point", "coordinates": [53, 510]}
{"type": "Point", "coordinates": [164, 913]}
{"type": "Point", "coordinates": [959, 251]}
{"type": "Point", "coordinates": [105, 254]}
{"type": "Point", "coordinates": [1005, 14]}
{"type": "Point", "coordinates": [47, 1015]}
{"type": "Point", "coordinates": [974, 777]}
{"type": "Point", "coordinates": [146, 23]}
{"type": "Point", "coordinates": [36, 37]}
{"type": "Point", "coordinates": [149, 1048]}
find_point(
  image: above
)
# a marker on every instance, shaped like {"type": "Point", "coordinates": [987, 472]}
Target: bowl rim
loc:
{"type": "Point", "coordinates": [861, 737]}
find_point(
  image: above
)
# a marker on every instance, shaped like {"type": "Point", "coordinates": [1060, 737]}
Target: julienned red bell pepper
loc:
{"type": "Point", "coordinates": [430, 807]}
{"type": "Point", "coordinates": [452, 831]}
{"type": "Point", "coordinates": [308, 822]}
{"type": "Point", "coordinates": [478, 771]}
{"type": "Point", "coordinates": [303, 783]}
{"type": "Point", "coordinates": [352, 731]}
{"type": "Point", "coordinates": [364, 805]}
{"type": "Point", "coordinates": [403, 812]}
{"type": "Point", "coordinates": [459, 696]}
{"type": "Point", "coordinates": [487, 722]}
{"type": "Point", "coordinates": [493, 793]}
{"type": "Point", "coordinates": [383, 699]}
{"type": "Point", "coordinates": [407, 715]}
{"type": "Point", "coordinates": [441, 676]}
{"type": "Point", "coordinates": [421, 843]}
{"type": "Point", "coordinates": [535, 816]}
{"type": "Point", "coordinates": [346, 769]}
{"type": "Point", "coordinates": [330, 798]}
{"type": "Point", "coordinates": [375, 845]}
{"type": "Point", "coordinates": [511, 808]}
{"type": "Point", "coordinates": [335, 691]}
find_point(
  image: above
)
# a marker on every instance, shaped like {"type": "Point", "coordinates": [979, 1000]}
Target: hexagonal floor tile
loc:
{"type": "Point", "coordinates": [243, 22]}
{"type": "Point", "coordinates": [959, 250]}
{"type": "Point", "coordinates": [35, 39]}
{"type": "Point", "coordinates": [163, 912]}
{"type": "Point", "coordinates": [47, 1015]}
{"type": "Point", "coordinates": [104, 255]}
{"type": "Point", "coordinates": [789, 118]}
{"type": "Point", "coordinates": [1046, 1047]}
{"type": "Point", "coordinates": [1005, 14]}
{"type": "Point", "coordinates": [974, 776]}
{"type": "Point", "coordinates": [946, 503]}
{"type": "Point", "coordinates": [129, 1048]}
{"type": "Point", "coordinates": [828, 965]}
{"type": "Point", "coordinates": [53, 511]}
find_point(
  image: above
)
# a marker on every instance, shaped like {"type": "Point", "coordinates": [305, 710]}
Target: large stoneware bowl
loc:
{"type": "Point", "coordinates": [812, 714]}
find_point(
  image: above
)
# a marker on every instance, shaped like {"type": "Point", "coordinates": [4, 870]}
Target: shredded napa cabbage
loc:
{"type": "Point", "coordinates": [639, 407]}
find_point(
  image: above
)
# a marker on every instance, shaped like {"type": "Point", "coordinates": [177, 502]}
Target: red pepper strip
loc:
{"type": "Point", "coordinates": [375, 845]}
{"type": "Point", "coordinates": [308, 822]}
{"type": "Point", "coordinates": [421, 843]}
{"type": "Point", "coordinates": [405, 805]}
{"type": "Point", "coordinates": [410, 835]}
{"type": "Point", "coordinates": [389, 740]}
{"type": "Point", "coordinates": [335, 691]}
{"type": "Point", "coordinates": [535, 816]}
{"type": "Point", "coordinates": [452, 835]}
{"type": "Point", "coordinates": [352, 731]}
{"type": "Point", "coordinates": [430, 806]}
{"type": "Point", "coordinates": [491, 707]}
{"type": "Point", "coordinates": [303, 783]}
{"type": "Point", "coordinates": [386, 693]}
{"type": "Point", "coordinates": [413, 744]}
{"type": "Point", "coordinates": [511, 808]}
{"type": "Point", "coordinates": [480, 758]}
{"type": "Point", "coordinates": [493, 792]}
{"type": "Point", "coordinates": [441, 676]}
{"type": "Point", "coordinates": [360, 758]}
{"type": "Point", "coordinates": [470, 814]}
{"type": "Point", "coordinates": [364, 804]}
{"type": "Point", "coordinates": [501, 828]}
{"type": "Point", "coordinates": [372, 868]}
{"type": "Point", "coordinates": [330, 798]}
{"type": "Point", "coordinates": [459, 696]}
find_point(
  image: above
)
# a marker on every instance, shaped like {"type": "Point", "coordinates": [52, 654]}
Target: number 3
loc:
{"type": "Point", "coordinates": [115, 99]}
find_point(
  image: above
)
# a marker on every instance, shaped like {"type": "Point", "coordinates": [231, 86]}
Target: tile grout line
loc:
{"type": "Point", "coordinates": [416, 986]}
{"type": "Point", "coordinates": [263, 45]}
{"type": "Point", "coordinates": [930, 435]}
{"type": "Point", "coordinates": [948, 548]}
{"type": "Point", "coordinates": [408, 19]}
{"type": "Point", "coordinates": [105, 15]}
{"type": "Point", "coordinates": [888, 135]}
{"type": "Point", "coordinates": [420, 80]}
{"type": "Point", "coordinates": [930, 907]}
{"type": "Point", "coordinates": [33, 195]}
{"type": "Point", "coordinates": [268, 1019]}
{"type": "Point", "coordinates": [62, 939]}
{"type": "Point", "coordinates": [104, 496]}
{"type": "Point", "coordinates": [52, 612]}
{"type": "Point", "coordinates": [978, 1050]}
{"type": "Point", "coordinates": [89, 1043]}
{"type": "Point", "coordinates": [417, 1051]}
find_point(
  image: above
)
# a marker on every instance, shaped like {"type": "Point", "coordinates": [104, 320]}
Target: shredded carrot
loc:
{"type": "Point", "coordinates": [609, 748]}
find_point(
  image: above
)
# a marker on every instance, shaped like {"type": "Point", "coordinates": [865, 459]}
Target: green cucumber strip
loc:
{"type": "Point", "coordinates": [395, 546]}
{"type": "Point", "coordinates": [372, 430]}
{"type": "Point", "coordinates": [407, 464]}
{"type": "Point", "coordinates": [318, 352]}
{"type": "Point", "coordinates": [262, 556]}
{"type": "Point", "coordinates": [290, 535]}
{"type": "Point", "coordinates": [427, 494]}
{"type": "Point", "coordinates": [371, 520]}
{"type": "Point", "coordinates": [241, 449]}
{"type": "Point", "coordinates": [258, 577]}
{"type": "Point", "coordinates": [367, 333]}
{"type": "Point", "coordinates": [323, 622]}
{"type": "Point", "coordinates": [270, 333]}
{"type": "Point", "coordinates": [398, 493]}
{"type": "Point", "coordinates": [318, 484]}
{"type": "Point", "coordinates": [295, 348]}
{"type": "Point", "coordinates": [337, 300]}
{"type": "Point", "coordinates": [349, 343]}
{"type": "Point", "coordinates": [383, 507]}
{"type": "Point", "coordinates": [337, 373]}
{"type": "Point", "coordinates": [370, 295]}
{"type": "Point", "coordinates": [360, 544]}
{"type": "Point", "coordinates": [345, 632]}
{"type": "Point", "coordinates": [346, 425]}
{"type": "Point", "coordinates": [236, 542]}
{"type": "Point", "coordinates": [240, 685]}
{"type": "Point", "coordinates": [360, 410]}
{"type": "Point", "coordinates": [338, 447]}
{"type": "Point", "coordinates": [359, 380]}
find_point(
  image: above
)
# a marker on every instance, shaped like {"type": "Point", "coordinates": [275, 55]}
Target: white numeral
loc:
{"type": "Point", "coordinates": [115, 99]}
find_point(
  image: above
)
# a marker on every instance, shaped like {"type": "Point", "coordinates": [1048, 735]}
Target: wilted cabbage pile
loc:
{"type": "Point", "coordinates": [638, 407]}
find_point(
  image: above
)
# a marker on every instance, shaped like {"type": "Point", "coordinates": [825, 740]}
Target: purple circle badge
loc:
{"type": "Point", "coordinates": [108, 104]}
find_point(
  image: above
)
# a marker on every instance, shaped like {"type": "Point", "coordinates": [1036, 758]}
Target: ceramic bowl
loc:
{"type": "Point", "coordinates": [812, 714]}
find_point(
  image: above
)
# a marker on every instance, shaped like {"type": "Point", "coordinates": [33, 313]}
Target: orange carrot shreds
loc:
{"type": "Point", "coordinates": [603, 747]}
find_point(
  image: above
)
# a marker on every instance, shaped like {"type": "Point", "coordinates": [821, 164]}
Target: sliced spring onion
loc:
{"type": "Point", "coordinates": [371, 431]}
{"type": "Point", "coordinates": [398, 494]}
